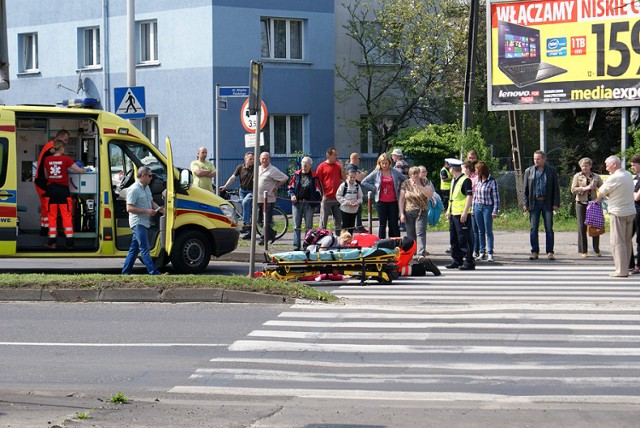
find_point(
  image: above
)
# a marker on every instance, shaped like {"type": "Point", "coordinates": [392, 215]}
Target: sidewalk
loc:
{"type": "Point", "coordinates": [511, 247]}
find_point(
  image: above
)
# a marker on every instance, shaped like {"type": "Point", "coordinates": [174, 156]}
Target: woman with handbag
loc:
{"type": "Point", "coordinates": [583, 187]}
{"type": "Point", "coordinates": [414, 208]}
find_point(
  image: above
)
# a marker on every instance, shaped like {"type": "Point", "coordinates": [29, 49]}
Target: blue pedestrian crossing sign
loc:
{"type": "Point", "coordinates": [130, 102]}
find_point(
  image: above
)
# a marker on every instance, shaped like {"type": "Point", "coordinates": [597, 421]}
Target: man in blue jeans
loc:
{"type": "Point", "coordinates": [541, 198]}
{"type": "Point", "coordinates": [141, 208]}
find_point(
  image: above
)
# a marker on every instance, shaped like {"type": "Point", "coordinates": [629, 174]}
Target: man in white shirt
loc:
{"type": "Point", "coordinates": [269, 179]}
{"type": "Point", "coordinates": [618, 189]}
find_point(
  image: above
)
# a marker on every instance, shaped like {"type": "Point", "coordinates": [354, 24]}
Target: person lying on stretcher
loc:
{"type": "Point", "coordinates": [406, 247]}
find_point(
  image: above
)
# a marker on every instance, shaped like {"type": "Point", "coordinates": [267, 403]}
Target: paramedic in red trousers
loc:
{"type": "Point", "coordinates": [459, 216]}
{"type": "Point", "coordinates": [141, 208]}
{"type": "Point", "coordinates": [618, 189]}
{"type": "Point", "coordinates": [40, 180]}
{"type": "Point", "coordinates": [305, 192]}
{"type": "Point", "coordinates": [331, 175]}
{"type": "Point", "coordinates": [58, 195]}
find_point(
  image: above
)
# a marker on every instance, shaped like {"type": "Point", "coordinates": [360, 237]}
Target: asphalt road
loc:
{"type": "Point", "coordinates": [504, 346]}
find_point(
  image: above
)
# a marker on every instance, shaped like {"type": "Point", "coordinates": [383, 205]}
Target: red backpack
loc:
{"type": "Point", "coordinates": [314, 235]}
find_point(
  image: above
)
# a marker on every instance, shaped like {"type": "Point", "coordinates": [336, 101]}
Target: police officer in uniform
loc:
{"type": "Point", "coordinates": [459, 216]}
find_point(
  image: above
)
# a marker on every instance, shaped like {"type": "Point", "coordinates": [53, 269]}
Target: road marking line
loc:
{"type": "Point", "coordinates": [506, 337]}
{"type": "Point", "coordinates": [115, 345]}
{"type": "Point", "coordinates": [443, 324]}
{"type": "Point", "coordinates": [276, 346]}
{"type": "Point", "coordinates": [493, 316]}
{"type": "Point", "coordinates": [462, 366]}
{"type": "Point", "coordinates": [353, 394]}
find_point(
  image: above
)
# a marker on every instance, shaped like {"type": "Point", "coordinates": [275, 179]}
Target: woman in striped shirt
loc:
{"type": "Point", "coordinates": [486, 202]}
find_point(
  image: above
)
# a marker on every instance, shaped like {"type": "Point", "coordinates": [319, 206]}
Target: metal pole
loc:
{"type": "Point", "coordinates": [467, 109]}
{"type": "Point", "coordinates": [624, 135]}
{"type": "Point", "coordinates": [543, 132]}
{"type": "Point", "coordinates": [254, 204]}
{"type": "Point", "coordinates": [131, 46]}
{"type": "Point", "coordinates": [369, 205]}
{"type": "Point", "coordinates": [265, 224]}
{"type": "Point", "coordinates": [217, 139]}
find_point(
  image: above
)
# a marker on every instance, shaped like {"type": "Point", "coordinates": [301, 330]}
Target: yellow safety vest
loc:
{"type": "Point", "coordinates": [445, 185]}
{"type": "Point", "coordinates": [457, 199]}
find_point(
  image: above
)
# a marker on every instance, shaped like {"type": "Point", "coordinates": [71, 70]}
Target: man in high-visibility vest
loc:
{"type": "Point", "coordinates": [459, 216]}
{"type": "Point", "coordinates": [445, 183]}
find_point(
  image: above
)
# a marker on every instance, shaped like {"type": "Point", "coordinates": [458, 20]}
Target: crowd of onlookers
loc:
{"type": "Point", "coordinates": [402, 196]}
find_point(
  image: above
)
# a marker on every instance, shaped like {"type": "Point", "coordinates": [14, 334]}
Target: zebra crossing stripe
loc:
{"type": "Point", "coordinates": [354, 394]}
{"type": "Point", "coordinates": [385, 348]}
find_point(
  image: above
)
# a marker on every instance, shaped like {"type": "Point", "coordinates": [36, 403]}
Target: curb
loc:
{"type": "Point", "coordinates": [172, 295]}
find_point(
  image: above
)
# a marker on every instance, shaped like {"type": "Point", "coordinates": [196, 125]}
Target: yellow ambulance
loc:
{"type": "Point", "coordinates": [196, 225]}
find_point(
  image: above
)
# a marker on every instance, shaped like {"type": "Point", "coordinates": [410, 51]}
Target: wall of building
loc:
{"type": "Point", "coordinates": [200, 44]}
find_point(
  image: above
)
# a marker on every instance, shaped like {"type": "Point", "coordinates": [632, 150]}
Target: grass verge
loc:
{"type": "Point", "coordinates": [99, 281]}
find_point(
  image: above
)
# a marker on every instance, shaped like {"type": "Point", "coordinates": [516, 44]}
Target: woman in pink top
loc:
{"type": "Point", "coordinates": [385, 183]}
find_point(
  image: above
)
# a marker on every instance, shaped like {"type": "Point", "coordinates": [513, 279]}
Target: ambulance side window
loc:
{"type": "Point", "coordinates": [4, 160]}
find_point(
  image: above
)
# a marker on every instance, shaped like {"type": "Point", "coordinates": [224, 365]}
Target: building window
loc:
{"type": "Point", "coordinates": [283, 135]}
{"type": "Point", "coordinates": [28, 45]}
{"type": "Point", "coordinates": [377, 49]}
{"type": "Point", "coordinates": [368, 142]}
{"type": "Point", "coordinates": [281, 38]}
{"type": "Point", "coordinates": [89, 47]}
{"type": "Point", "coordinates": [149, 128]}
{"type": "Point", "coordinates": [148, 42]}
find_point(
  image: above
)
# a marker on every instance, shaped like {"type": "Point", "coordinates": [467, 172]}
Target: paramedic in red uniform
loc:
{"type": "Point", "coordinates": [55, 168]}
{"type": "Point", "coordinates": [40, 180]}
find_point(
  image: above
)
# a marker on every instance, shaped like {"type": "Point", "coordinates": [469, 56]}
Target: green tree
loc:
{"type": "Point", "coordinates": [431, 145]}
{"type": "Point", "coordinates": [412, 57]}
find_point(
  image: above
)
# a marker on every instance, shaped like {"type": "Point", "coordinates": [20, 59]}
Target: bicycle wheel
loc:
{"type": "Point", "coordinates": [279, 223]}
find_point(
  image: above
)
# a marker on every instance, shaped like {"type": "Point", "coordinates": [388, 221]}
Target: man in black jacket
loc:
{"type": "Point", "coordinates": [541, 197]}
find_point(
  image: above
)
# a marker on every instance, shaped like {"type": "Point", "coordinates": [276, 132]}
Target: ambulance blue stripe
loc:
{"type": "Point", "coordinates": [197, 206]}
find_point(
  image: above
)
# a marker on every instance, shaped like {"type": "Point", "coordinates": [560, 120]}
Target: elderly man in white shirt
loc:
{"type": "Point", "coordinates": [269, 179]}
{"type": "Point", "coordinates": [618, 189]}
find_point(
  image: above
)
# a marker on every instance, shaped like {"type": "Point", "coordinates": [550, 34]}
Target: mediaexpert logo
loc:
{"type": "Point", "coordinates": [603, 93]}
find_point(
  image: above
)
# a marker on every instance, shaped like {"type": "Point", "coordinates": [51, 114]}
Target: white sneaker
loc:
{"type": "Point", "coordinates": [489, 257]}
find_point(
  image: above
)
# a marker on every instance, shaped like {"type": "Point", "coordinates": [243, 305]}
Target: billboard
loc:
{"type": "Point", "coordinates": [559, 54]}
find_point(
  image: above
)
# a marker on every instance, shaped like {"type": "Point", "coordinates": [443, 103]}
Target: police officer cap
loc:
{"type": "Point", "coordinates": [453, 162]}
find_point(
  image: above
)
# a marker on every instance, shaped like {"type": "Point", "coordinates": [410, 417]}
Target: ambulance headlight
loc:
{"type": "Point", "coordinates": [227, 210]}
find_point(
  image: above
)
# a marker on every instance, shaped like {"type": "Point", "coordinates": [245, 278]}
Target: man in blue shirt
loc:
{"type": "Point", "coordinates": [141, 208]}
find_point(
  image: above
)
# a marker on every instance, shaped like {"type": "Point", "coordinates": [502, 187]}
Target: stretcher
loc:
{"type": "Point", "coordinates": [365, 263]}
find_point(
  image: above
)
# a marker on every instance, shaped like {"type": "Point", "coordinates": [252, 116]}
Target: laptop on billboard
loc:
{"type": "Point", "coordinates": [519, 55]}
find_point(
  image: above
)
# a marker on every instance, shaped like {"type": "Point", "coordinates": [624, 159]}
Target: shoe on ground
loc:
{"type": "Point", "coordinates": [429, 266]}
{"type": "Point", "coordinates": [490, 257]}
{"type": "Point", "coordinates": [246, 235]}
{"type": "Point", "coordinates": [453, 265]}
{"type": "Point", "coordinates": [635, 271]}
{"type": "Point", "coordinates": [426, 253]}
{"type": "Point", "coordinates": [448, 251]}
{"type": "Point", "coordinates": [484, 256]}
{"type": "Point", "coordinates": [467, 266]}
{"type": "Point", "coordinates": [616, 275]}
{"type": "Point", "coordinates": [533, 256]}
{"type": "Point", "coordinates": [598, 254]}
{"type": "Point", "coordinates": [476, 255]}
{"type": "Point", "coordinates": [584, 255]}
{"type": "Point", "coordinates": [550, 256]}
{"type": "Point", "coordinates": [50, 246]}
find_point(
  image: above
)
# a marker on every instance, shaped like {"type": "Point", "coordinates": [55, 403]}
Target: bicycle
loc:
{"type": "Point", "coordinates": [279, 219]}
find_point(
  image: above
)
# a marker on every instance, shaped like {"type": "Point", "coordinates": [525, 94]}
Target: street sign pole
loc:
{"type": "Point", "coordinates": [216, 142]}
{"type": "Point", "coordinates": [255, 83]}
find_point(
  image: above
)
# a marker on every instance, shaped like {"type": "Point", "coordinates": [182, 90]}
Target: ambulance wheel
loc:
{"type": "Point", "coordinates": [191, 252]}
